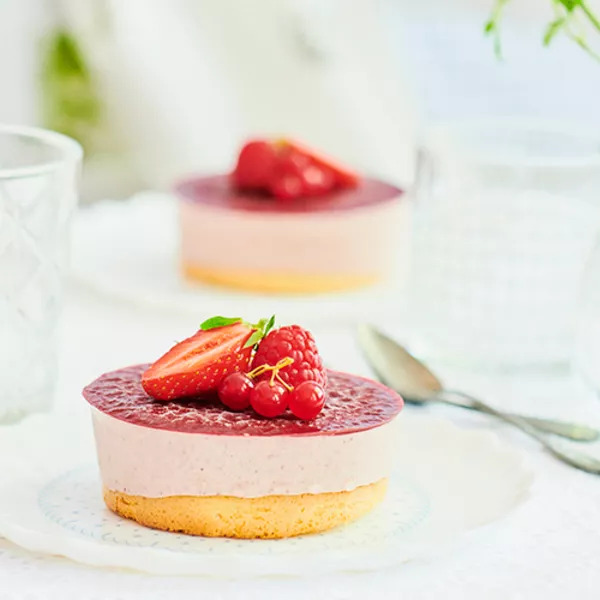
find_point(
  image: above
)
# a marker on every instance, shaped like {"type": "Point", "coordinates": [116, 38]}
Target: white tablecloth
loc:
{"type": "Point", "coordinates": [548, 548]}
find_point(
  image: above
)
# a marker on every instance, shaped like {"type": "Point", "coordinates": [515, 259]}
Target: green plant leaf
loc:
{"type": "Point", "coordinates": [215, 322]}
{"type": "Point", "coordinates": [492, 27]}
{"type": "Point", "coordinates": [570, 5]}
{"type": "Point", "coordinates": [262, 328]}
{"type": "Point", "coordinates": [270, 324]}
{"type": "Point", "coordinates": [254, 338]}
{"type": "Point", "coordinates": [71, 102]}
{"type": "Point", "coordinates": [553, 29]}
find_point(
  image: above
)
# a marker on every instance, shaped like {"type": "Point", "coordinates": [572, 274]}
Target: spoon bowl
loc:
{"type": "Point", "coordinates": [396, 367]}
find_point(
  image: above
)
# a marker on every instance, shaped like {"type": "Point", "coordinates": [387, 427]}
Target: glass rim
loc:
{"type": "Point", "coordinates": [71, 150]}
{"type": "Point", "coordinates": [430, 132]}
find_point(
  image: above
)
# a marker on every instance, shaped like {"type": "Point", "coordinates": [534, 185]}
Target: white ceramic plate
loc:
{"type": "Point", "coordinates": [447, 480]}
{"type": "Point", "coordinates": [129, 250]}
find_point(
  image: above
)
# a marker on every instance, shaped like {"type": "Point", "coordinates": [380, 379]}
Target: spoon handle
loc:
{"type": "Point", "coordinates": [576, 459]}
{"type": "Point", "coordinates": [571, 431]}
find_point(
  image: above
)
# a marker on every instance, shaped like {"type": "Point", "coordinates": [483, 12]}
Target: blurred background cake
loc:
{"type": "Point", "coordinates": [289, 220]}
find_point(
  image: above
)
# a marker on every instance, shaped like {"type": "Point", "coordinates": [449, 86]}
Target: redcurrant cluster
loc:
{"type": "Point", "coordinates": [271, 397]}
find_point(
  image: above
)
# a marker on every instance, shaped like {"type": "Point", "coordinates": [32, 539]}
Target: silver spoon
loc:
{"type": "Point", "coordinates": [396, 367]}
{"type": "Point", "coordinates": [417, 384]}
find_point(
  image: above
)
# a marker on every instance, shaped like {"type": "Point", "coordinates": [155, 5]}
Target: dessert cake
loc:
{"type": "Point", "coordinates": [243, 439]}
{"type": "Point", "coordinates": [288, 220]}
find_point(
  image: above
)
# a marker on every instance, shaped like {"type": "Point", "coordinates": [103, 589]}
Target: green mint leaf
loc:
{"type": "Point", "coordinates": [215, 322]}
{"type": "Point", "coordinates": [260, 325]}
{"type": "Point", "coordinates": [261, 329]}
{"type": "Point", "coordinates": [269, 325]}
{"type": "Point", "coordinates": [254, 339]}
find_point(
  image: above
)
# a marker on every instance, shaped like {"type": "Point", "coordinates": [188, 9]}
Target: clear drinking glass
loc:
{"type": "Point", "coordinates": [587, 349]}
{"type": "Point", "coordinates": [506, 213]}
{"type": "Point", "coordinates": [39, 173]}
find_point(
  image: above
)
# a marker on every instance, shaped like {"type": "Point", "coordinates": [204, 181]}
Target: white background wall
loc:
{"type": "Point", "coordinates": [445, 68]}
{"type": "Point", "coordinates": [21, 23]}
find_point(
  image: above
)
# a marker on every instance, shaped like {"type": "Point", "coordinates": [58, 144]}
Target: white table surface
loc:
{"type": "Point", "coordinates": [548, 548]}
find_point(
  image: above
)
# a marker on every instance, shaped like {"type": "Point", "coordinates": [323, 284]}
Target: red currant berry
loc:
{"type": "Point", "coordinates": [317, 181]}
{"type": "Point", "coordinates": [306, 400]}
{"type": "Point", "coordinates": [286, 187]}
{"type": "Point", "coordinates": [269, 400]}
{"type": "Point", "coordinates": [234, 391]}
{"type": "Point", "coordinates": [292, 162]}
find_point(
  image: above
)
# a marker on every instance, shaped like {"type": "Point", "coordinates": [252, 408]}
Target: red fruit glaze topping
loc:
{"type": "Point", "coordinates": [269, 400]}
{"type": "Point", "coordinates": [220, 192]}
{"type": "Point", "coordinates": [297, 343]}
{"type": "Point", "coordinates": [351, 404]}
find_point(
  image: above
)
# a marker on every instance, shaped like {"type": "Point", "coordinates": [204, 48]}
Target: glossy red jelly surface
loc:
{"type": "Point", "coordinates": [218, 191]}
{"type": "Point", "coordinates": [352, 404]}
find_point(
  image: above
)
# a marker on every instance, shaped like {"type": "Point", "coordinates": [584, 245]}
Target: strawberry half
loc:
{"type": "Point", "coordinates": [255, 165]}
{"type": "Point", "coordinates": [199, 363]}
{"type": "Point", "coordinates": [344, 177]}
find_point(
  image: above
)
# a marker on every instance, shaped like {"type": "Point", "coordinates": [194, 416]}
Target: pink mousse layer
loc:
{"type": "Point", "coordinates": [157, 463]}
{"type": "Point", "coordinates": [351, 232]}
{"type": "Point", "coordinates": [198, 447]}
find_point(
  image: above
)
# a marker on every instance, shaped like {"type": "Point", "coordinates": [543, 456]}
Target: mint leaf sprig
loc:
{"type": "Point", "coordinates": [219, 321]}
{"type": "Point", "coordinates": [260, 329]}
{"type": "Point", "coordinates": [570, 16]}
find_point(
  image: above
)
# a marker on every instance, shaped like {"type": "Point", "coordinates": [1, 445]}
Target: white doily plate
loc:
{"type": "Point", "coordinates": [447, 480]}
{"type": "Point", "coordinates": [129, 250]}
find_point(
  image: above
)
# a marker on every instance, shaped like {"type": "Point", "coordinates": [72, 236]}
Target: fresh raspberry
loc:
{"type": "Point", "coordinates": [297, 343]}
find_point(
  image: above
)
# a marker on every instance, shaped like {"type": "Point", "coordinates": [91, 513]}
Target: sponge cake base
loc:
{"type": "Point", "coordinates": [266, 517]}
{"type": "Point", "coordinates": [279, 281]}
